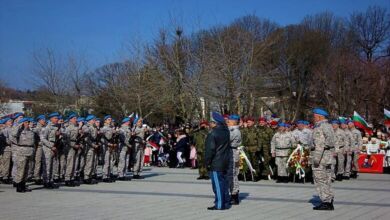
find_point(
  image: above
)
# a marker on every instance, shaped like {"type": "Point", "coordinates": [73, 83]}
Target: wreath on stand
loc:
{"type": "Point", "coordinates": [298, 162]}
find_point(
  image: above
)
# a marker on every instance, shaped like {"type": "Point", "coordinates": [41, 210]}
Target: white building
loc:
{"type": "Point", "coordinates": [13, 106]}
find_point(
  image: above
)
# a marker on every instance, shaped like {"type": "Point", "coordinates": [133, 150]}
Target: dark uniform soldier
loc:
{"type": "Point", "coordinates": [265, 135]}
{"type": "Point", "coordinates": [199, 137]}
{"type": "Point", "coordinates": [251, 144]}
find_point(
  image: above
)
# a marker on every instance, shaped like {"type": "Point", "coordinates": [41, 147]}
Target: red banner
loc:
{"type": "Point", "coordinates": [370, 163]}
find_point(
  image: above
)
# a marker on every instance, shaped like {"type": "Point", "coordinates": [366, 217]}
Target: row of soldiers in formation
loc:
{"type": "Point", "coordinates": [269, 143]}
{"type": "Point", "coordinates": [51, 151]}
{"type": "Point", "coordinates": [329, 143]}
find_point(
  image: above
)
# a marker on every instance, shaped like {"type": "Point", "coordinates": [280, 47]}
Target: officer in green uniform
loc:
{"type": "Point", "coordinates": [199, 137]}
{"type": "Point", "coordinates": [252, 147]}
{"type": "Point", "coordinates": [265, 135]}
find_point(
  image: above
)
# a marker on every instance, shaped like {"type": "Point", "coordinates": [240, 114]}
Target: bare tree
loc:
{"type": "Point", "coordinates": [371, 30]}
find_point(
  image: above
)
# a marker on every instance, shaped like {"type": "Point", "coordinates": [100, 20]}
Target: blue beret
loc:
{"type": "Point", "coordinates": [16, 115]}
{"type": "Point", "coordinates": [6, 119]}
{"type": "Point", "coordinates": [41, 117]}
{"type": "Point", "coordinates": [281, 124]}
{"type": "Point", "coordinates": [24, 120]}
{"type": "Point", "coordinates": [54, 114]}
{"type": "Point", "coordinates": [73, 115]}
{"type": "Point", "coordinates": [300, 122]}
{"type": "Point", "coordinates": [80, 119]}
{"type": "Point", "coordinates": [335, 122]}
{"type": "Point", "coordinates": [218, 118]}
{"type": "Point", "coordinates": [234, 117]}
{"type": "Point", "coordinates": [306, 123]}
{"type": "Point", "coordinates": [320, 111]}
{"type": "Point", "coordinates": [98, 119]}
{"type": "Point", "coordinates": [127, 119]}
{"type": "Point", "coordinates": [90, 117]}
{"type": "Point", "coordinates": [107, 117]}
{"type": "Point", "coordinates": [1, 121]}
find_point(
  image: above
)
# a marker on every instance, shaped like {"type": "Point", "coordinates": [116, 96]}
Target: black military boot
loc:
{"type": "Point", "coordinates": [38, 182]}
{"type": "Point", "coordinates": [200, 178]}
{"type": "Point", "coordinates": [138, 177]}
{"type": "Point", "coordinates": [235, 199]}
{"type": "Point", "coordinates": [90, 181]}
{"type": "Point", "coordinates": [122, 178]}
{"type": "Point", "coordinates": [19, 187]}
{"type": "Point", "coordinates": [46, 185]}
{"type": "Point", "coordinates": [325, 206]}
{"type": "Point", "coordinates": [7, 181]}
{"type": "Point", "coordinates": [214, 208]}
{"type": "Point", "coordinates": [25, 187]}
{"type": "Point", "coordinates": [75, 182]}
{"type": "Point", "coordinates": [107, 180]}
{"type": "Point", "coordinates": [70, 183]}
{"type": "Point", "coordinates": [339, 177]}
{"type": "Point", "coordinates": [52, 185]}
{"type": "Point", "coordinates": [331, 205]}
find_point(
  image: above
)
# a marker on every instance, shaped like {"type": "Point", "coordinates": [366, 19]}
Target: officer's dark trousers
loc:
{"type": "Point", "coordinates": [220, 185]}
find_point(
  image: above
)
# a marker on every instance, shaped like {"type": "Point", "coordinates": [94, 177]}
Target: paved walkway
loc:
{"type": "Point", "coordinates": [176, 194]}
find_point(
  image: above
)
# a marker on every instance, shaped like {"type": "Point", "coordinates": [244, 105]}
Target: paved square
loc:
{"type": "Point", "coordinates": [176, 194]}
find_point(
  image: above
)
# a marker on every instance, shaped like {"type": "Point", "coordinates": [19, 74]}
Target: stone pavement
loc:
{"type": "Point", "coordinates": [176, 194]}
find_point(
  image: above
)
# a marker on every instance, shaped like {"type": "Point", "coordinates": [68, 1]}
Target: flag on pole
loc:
{"type": "Point", "coordinates": [361, 123]}
{"type": "Point", "coordinates": [387, 117]}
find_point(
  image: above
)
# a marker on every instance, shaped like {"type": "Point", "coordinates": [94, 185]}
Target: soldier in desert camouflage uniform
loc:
{"type": "Point", "coordinates": [280, 146]}
{"type": "Point", "coordinates": [321, 154]}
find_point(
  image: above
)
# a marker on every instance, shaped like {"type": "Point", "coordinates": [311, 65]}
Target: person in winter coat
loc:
{"type": "Point", "coordinates": [217, 159]}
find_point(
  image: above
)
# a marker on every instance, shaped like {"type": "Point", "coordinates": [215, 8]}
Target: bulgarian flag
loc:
{"type": "Point", "coordinates": [361, 123]}
{"type": "Point", "coordinates": [387, 117]}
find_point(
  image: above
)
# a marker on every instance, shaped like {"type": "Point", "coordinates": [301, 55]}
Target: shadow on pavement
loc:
{"type": "Point", "coordinates": [244, 196]}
